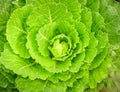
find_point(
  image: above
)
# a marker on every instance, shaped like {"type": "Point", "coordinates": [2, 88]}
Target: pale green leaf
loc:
{"type": "Point", "coordinates": [99, 59]}
{"type": "Point", "coordinates": [64, 76]}
{"type": "Point", "coordinates": [64, 27]}
{"type": "Point", "coordinates": [97, 22]}
{"type": "Point", "coordinates": [27, 85]}
{"type": "Point", "coordinates": [91, 50]}
{"type": "Point", "coordinates": [70, 82]}
{"type": "Point", "coordinates": [83, 34]}
{"type": "Point", "coordinates": [81, 74]}
{"type": "Point", "coordinates": [50, 87]}
{"type": "Point", "coordinates": [79, 85]}
{"type": "Point", "coordinates": [17, 30]}
{"type": "Point", "coordinates": [93, 41]}
{"type": "Point", "coordinates": [102, 41]}
{"type": "Point", "coordinates": [104, 68]}
{"type": "Point", "coordinates": [54, 78]}
{"type": "Point", "coordinates": [23, 67]}
{"type": "Point", "coordinates": [83, 2]}
{"type": "Point", "coordinates": [62, 66]}
{"type": "Point", "coordinates": [92, 82]}
{"type": "Point", "coordinates": [74, 7]}
{"type": "Point", "coordinates": [43, 38]}
{"type": "Point", "coordinates": [77, 62]}
{"type": "Point", "coordinates": [48, 13]}
{"type": "Point", "coordinates": [45, 62]}
{"type": "Point", "coordinates": [86, 18]}
{"type": "Point", "coordinates": [93, 4]}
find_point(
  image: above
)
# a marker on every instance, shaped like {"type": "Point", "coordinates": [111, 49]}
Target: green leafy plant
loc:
{"type": "Point", "coordinates": [60, 45]}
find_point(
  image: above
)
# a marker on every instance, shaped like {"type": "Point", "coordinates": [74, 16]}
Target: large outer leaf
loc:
{"type": "Point", "coordinates": [26, 85]}
{"type": "Point", "coordinates": [16, 32]}
{"type": "Point", "coordinates": [6, 7]}
{"type": "Point", "coordinates": [48, 14]}
{"type": "Point", "coordinates": [73, 6]}
{"type": "Point", "coordinates": [22, 66]}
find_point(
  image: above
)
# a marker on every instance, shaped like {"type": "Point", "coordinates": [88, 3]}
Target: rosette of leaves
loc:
{"type": "Point", "coordinates": [57, 46]}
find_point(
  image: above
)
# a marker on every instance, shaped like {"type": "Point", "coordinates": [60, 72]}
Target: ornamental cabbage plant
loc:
{"type": "Point", "coordinates": [60, 45]}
